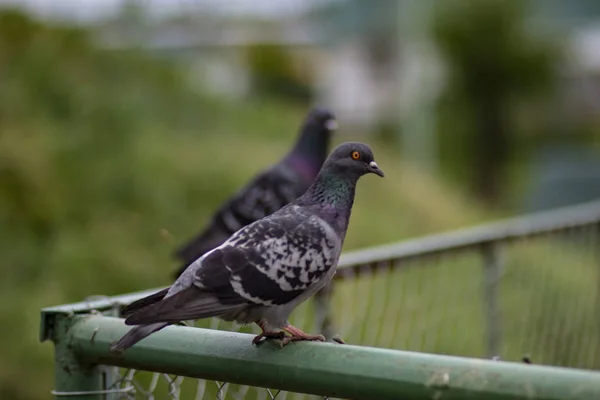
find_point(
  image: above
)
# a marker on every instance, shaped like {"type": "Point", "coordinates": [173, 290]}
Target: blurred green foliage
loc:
{"type": "Point", "coordinates": [274, 74]}
{"type": "Point", "coordinates": [498, 68]}
{"type": "Point", "coordinates": [103, 151]}
{"type": "Point", "coordinates": [108, 160]}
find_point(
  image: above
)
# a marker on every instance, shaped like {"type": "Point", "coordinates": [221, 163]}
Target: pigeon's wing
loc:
{"type": "Point", "coordinates": [270, 262]}
{"type": "Point", "coordinates": [265, 194]}
{"type": "Point", "coordinates": [270, 191]}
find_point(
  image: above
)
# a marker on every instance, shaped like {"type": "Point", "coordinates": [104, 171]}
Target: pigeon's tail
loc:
{"type": "Point", "coordinates": [135, 335]}
{"type": "Point", "coordinates": [143, 302]}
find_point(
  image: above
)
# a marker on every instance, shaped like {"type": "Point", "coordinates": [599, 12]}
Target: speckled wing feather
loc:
{"type": "Point", "coordinates": [272, 261]}
{"type": "Point", "coordinates": [268, 263]}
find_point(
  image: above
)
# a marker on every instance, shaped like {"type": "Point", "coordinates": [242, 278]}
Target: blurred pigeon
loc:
{"type": "Point", "coordinates": [266, 269]}
{"type": "Point", "coordinates": [270, 190]}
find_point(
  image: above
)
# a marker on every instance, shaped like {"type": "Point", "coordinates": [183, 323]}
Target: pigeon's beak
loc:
{"type": "Point", "coordinates": [374, 169]}
{"type": "Point", "coordinates": [331, 125]}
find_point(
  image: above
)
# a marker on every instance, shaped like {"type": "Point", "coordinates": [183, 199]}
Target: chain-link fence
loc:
{"type": "Point", "coordinates": [525, 287]}
{"type": "Point", "coordinates": [133, 384]}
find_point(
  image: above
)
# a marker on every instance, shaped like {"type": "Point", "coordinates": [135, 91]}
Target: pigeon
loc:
{"type": "Point", "coordinates": [267, 268]}
{"type": "Point", "coordinates": [270, 190]}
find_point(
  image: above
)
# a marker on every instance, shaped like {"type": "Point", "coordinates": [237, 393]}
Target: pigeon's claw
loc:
{"type": "Point", "coordinates": [298, 335]}
{"type": "Point", "coordinates": [338, 339]}
{"type": "Point", "coordinates": [294, 338]}
{"type": "Point", "coordinates": [258, 339]}
{"type": "Point", "coordinates": [266, 334]}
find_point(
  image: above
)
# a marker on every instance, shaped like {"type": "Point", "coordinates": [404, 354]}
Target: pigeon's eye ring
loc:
{"type": "Point", "coordinates": [355, 155]}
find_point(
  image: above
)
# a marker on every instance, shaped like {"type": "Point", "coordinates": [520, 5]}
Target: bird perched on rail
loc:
{"type": "Point", "coordinates": [266, 269]}
{"type": "Point", "coordinates": [270, 190]}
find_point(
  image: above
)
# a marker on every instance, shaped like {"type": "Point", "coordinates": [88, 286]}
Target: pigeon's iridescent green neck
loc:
{"type": "Point", "coordinates": [333, 189]}
{"type": "Point", "coordinates": [332, 196]}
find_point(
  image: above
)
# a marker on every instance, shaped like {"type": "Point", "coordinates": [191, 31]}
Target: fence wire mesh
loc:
{"type": "Point", "coordinates": [134, 384]}
{"type": "Point", "coordinates": [124, 383]}
{"type": "Point", "coordinates": [536, 297]}
{"type": "Point", "coordinates": [543, 302]}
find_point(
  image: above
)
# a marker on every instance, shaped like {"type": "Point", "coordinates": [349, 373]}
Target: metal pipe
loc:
{"type": "Point", "coordinates": [324, 369]}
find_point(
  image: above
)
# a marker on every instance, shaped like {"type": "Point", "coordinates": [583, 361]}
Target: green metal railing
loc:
{"type": "Point", "coordinates": [528, 285]}
{"type": "Point", "coordinates": [82, 344]}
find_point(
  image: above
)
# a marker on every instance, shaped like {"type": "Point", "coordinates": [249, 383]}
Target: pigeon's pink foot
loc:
{"type": "Point", "coordinates": [266, 334]}
{"type": "Point", "coordinates": [298, 335]}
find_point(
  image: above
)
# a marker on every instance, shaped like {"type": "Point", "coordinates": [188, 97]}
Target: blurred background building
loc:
{"type": "Point", "coordinates": [124, 123]}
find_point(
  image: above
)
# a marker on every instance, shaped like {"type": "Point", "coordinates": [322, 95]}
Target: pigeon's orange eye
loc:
{"type": "Point", "coordinates": [355, 155]}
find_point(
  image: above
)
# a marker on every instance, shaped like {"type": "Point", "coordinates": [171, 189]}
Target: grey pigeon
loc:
{"type": "Point", "coordinates": [266, 269]}
{"type": "Point", "coordinates": [270, 190]}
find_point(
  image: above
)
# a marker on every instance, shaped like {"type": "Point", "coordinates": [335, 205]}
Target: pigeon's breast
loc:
{"type": "Point", "coordinates": [335, 218]}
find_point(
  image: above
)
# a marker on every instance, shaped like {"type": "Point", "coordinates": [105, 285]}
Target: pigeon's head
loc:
{"type": "Point", "coordinates": [313, 143]}
{"type": "Point", "coordinates": [321, 119]}
{"type": "Point", "coordinates": [353, 159]}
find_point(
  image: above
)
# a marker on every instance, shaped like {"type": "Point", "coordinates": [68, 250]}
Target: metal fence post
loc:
{"type": "Point", "coordinates": [491, 280]}
{"type": "Point", "coordinates": [323, 320]}
{"type": "Point", "coordinates": [110, 375]}
{"type": "Point", "coordinates": [73, 380]}
{"type": "Point", "coordinates": [597, 268]}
